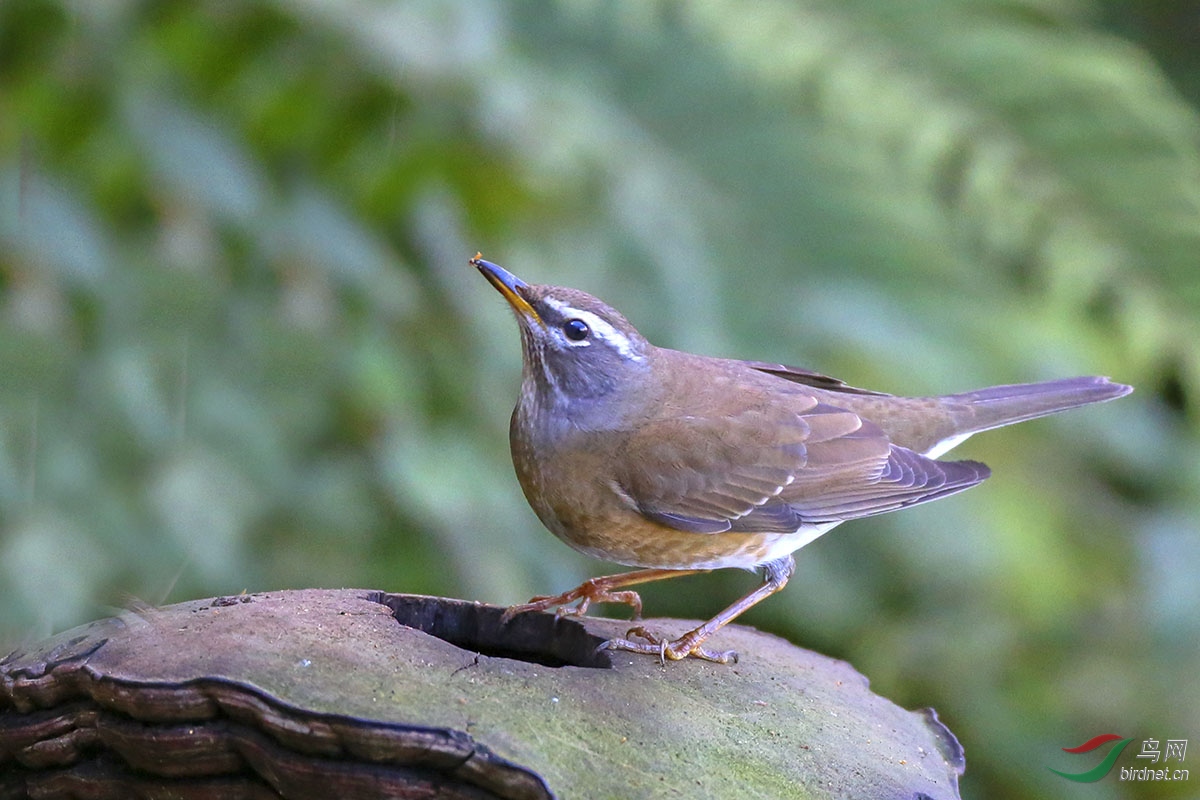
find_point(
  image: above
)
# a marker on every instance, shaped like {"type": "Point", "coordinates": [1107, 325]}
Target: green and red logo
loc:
{"type": "Point", "coordinates": [1101, 769]}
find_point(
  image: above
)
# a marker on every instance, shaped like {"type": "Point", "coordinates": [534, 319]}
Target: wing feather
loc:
{"type": "Point", "coordinates": [775, 469]}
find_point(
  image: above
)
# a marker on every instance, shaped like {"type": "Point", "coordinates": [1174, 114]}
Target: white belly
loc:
{"type": "Point", "coordinates": [769, 547]}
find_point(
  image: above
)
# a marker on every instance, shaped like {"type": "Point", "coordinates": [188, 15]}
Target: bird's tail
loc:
{"type": "Point", "coordinates": [1003, 405]}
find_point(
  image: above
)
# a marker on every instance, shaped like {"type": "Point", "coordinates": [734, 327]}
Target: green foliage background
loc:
{"type": "Point", "coordinates": [240, 346]}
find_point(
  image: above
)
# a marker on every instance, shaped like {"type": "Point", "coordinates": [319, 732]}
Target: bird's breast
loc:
{"type": "Point", "coordinates": [569, 480]}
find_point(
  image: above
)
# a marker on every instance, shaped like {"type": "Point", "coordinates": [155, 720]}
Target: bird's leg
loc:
{"type": "Point", "coordinates": [775, 577]}
{"type": "Point", "coordinates": [598, 590]}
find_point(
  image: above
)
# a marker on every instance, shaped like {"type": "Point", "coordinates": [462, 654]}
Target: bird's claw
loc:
{"type": "Point", "coordinates": [686, 646]}
{"type": "Point", "coordinates": [588, 592]}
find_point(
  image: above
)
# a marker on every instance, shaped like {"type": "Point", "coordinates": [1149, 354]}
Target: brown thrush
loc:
{"type": "Point", "coordinates": [680, 463]}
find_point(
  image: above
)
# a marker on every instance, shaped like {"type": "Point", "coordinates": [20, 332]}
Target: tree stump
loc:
{"type": "Point", "coordinates": [354, 693]}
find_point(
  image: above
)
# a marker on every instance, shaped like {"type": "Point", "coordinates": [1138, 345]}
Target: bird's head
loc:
{"type": "Point", "coordinates": [576, 347]}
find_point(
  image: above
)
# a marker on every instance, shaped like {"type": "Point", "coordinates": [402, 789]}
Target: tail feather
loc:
{"type": "Point", "coordinates": [995, 406]}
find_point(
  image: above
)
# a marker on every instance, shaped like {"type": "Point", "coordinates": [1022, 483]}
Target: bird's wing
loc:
{"type": "Point", "coordinates": [775, 469]}
{"type": "Point", "coordinates": [807, 377]}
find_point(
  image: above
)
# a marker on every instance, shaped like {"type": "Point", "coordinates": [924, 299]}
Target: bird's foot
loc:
{"type": "Point", "coordinates": [595, 590]}
{"type": "Point", "coordinates": [686, 646]}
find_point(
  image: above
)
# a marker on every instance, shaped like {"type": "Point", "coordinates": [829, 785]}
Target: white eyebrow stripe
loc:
{"type": "Point", "coordinates": [601, 328]}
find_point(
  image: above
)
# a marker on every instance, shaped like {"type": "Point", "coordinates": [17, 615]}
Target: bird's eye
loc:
{"type": "Point", "coordinates": [576, 330]}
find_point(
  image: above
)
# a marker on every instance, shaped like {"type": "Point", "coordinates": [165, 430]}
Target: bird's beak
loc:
{"type": "Point", "coordinates": [509, 285]}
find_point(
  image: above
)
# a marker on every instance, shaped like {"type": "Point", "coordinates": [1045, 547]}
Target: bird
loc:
{"type": "Point", "coordinates": [676, 463]}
